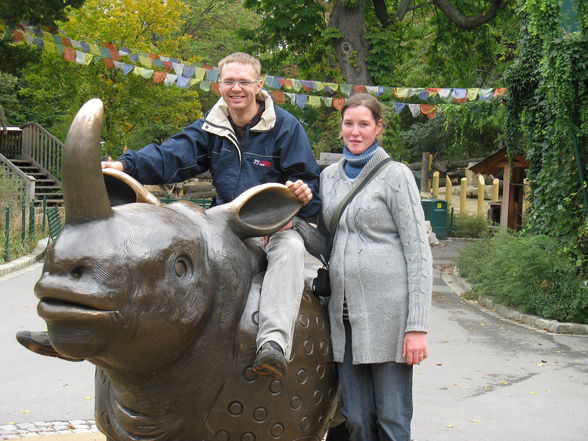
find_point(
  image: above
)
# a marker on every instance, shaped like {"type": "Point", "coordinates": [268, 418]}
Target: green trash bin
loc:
{"type": "Point", "coordinates": [436, 213]}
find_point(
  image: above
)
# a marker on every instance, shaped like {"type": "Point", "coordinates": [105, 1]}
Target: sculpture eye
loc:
{"type": "Point", "coordinates": [182, 266]}
{"type": "Point", "coordinates": [77, 273]}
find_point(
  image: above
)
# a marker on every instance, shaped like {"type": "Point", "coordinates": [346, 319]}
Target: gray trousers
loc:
{"type": "Point", "coordinates": [281, 291]}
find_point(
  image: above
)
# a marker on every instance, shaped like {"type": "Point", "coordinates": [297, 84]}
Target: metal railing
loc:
{"type": "Point", "coordinates": [12, 172]}
{"type": "Point", "coordinates": [42, 148]}
{"type": "Point", "coordinates": [21, 223]}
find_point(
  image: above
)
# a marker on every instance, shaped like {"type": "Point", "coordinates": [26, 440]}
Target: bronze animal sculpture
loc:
{"type": "Point", "coordinates": [163, 300]}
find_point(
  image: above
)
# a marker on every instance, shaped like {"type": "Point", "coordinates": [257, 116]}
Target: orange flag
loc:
{"type": "Point", "coordinates": [430, 110]}
{"type": "Point", "coordinates": [278, 96]}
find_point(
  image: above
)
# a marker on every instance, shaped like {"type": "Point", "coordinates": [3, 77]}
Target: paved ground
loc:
{"type": "Point", "coordinates": [487, 379]}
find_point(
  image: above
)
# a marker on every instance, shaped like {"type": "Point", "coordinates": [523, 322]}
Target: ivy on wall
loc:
{"type": "Point", "coordinates": [547, 116]}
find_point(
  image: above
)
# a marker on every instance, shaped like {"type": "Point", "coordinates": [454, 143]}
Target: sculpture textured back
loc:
{"type": "Point", "coordinates": [163, 300]}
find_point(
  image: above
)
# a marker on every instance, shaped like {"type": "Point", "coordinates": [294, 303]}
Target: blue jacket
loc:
{"type": "Point", "coordinates": [276, 150]}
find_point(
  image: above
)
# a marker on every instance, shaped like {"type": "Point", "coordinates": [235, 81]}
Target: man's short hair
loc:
{"type": "Point", "coordinates": [243, 58]}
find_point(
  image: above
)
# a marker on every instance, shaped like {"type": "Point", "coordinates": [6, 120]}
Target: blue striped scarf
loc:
{"type": "Point", "coordinates": [354, 163]}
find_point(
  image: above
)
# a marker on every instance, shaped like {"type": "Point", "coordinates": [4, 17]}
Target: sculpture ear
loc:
{"type": "Point", "coordinates": [259, 211]}
{"type": "Point", "coordinates": [124, 189]}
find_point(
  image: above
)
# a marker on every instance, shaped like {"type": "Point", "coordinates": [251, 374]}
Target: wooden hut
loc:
{"type": "Point", "coordinates": [513, 175]}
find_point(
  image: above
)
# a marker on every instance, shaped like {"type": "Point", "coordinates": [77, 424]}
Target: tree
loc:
{"type": "Point", "coordinates": [42, 12]}
{"type": "Point", "coordinates": [213, 25]}
{"type": "Point", "coordinates": [137, 111]}
{"type": "Point", "coordinates": [547, 119]}
{"type": "Point", "coordinates": [366, 36]}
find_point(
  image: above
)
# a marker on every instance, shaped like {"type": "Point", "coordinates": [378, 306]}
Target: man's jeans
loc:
{"type": "Point", "coordinates": [377, 398]}
{"type": "Point", "coordinates": [281, 291]}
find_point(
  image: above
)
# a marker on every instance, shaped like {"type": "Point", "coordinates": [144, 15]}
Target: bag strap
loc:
{"type": "Point", "coordinates": [345, 201]}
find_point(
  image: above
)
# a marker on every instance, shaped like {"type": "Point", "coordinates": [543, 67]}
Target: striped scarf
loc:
{"type": "Point", "coordinates": [354, 163]}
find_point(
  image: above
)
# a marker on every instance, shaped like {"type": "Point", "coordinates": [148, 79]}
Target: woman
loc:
{"type": "Point", "coordinates": [381, 278]}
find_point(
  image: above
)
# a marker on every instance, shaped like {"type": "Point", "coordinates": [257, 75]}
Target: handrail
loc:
{"type": "Point", "coordinates": [29, 181]}
{"type": "Point", "coordinates": [43, 148]}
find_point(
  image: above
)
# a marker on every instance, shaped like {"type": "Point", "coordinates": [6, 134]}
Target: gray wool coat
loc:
{"type": "Point", "coordinates": [380, 262]}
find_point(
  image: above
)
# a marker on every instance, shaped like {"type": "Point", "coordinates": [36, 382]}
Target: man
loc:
{"type": "Point", "coordinates": [244, 141]}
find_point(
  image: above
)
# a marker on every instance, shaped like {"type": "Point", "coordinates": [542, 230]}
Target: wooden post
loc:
{"type": "Point", "coordinates": [463, 194]}
{"type": "Point", "coordinates": [425, 172]}
{"type": "Point", "coordinates": [526, 191]}
{"type": "Point", "coordinates": [495, 189]}
{"type": "Point", "coordinates": [506, 196]}
{"type": "Point", "coordinates": [435, 193]}
{"type": "Point", "coordinates": [481, 188]}
{"type": "Point", "coordinates": [448, 193]}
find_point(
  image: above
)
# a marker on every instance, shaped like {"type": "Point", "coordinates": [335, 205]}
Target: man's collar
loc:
{"type": "Point", "coordinates": [219, 114]}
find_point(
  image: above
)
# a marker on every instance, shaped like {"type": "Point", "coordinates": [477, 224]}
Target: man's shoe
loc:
{"type": "Point", "coordinates": [38, 342]}
{"type": "Point", "coordinates": [270, 360]}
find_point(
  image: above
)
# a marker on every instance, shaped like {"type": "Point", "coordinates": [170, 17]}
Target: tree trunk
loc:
{"type": "Point", "coordinates": [352, 49]}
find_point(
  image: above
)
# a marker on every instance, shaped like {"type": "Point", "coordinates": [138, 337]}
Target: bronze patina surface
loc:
{"type": "Point", "coordinates": [163, 300]}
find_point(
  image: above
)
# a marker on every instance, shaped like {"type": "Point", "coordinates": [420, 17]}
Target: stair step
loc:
{"type": "Point", "coordinates": [49, 203]}
{"type": "Point", "coordinates": [49, 195]}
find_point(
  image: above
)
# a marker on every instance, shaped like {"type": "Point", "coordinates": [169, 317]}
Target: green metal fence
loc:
{"type": "Point", "coordinates": [22, 224]}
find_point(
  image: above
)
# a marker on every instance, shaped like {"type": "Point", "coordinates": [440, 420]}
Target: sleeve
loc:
{"type": "Point", "coordinates": [410, 220]}
{"type": "Point", "coordinates": [298, 162]}
{"type": "Point", "coordinates": [181, 157]}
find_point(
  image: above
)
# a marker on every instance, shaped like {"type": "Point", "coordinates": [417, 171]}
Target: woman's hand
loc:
{"type": "Point", "coordinates": [301, 190]}
{"type": "Point", "coordinates": [415, 347]}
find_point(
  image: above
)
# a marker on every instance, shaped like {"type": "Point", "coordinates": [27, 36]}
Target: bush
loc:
{"type": "Point", "coordinates": [529, 273]}
{"type": "Point", "coordinates": [467, 225]}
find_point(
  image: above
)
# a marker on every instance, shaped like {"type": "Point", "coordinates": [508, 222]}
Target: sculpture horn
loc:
{"type": "Point", "coordinates": [84, 191]}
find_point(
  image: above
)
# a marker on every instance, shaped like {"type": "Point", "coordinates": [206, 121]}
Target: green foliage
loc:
{"type": "Point", "coordinates": [213, 27]}
{"type": "Point", "coordinates": [8, 96]}
{"type": "Point", "coordinates": [10, 190]}
{"type": "Point", "coordinates": [43, 12]}
{"type": "Point", "coordinates": [137, 111]}
{"type": "Point", "coordinates": [470, 130]}
{"type": "Point", "coordinates": [392, 139]}
{"type": "Point", "coordinates": [548, 115]}
{"type": "Point", "coordinates": [293, 39]}
{"type": "Point", "coordinates": [11, 196]}
{"type": "Point", "coordinates": [427, 136]}
{"type": "Point", "coordinates": [427, 49]}
{"type": "Point", "coordinates": [476, 128]}
{"type": "Point", "coordinates": [529, 273]}
{"type": "Point", "coordinates": [467, 225]}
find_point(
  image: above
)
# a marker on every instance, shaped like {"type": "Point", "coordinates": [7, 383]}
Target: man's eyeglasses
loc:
{"type": "Point", "coordinates": [232, 83]}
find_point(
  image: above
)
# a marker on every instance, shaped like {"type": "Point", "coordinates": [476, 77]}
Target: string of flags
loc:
{"type": "Point", "coordinates": [177, 72]}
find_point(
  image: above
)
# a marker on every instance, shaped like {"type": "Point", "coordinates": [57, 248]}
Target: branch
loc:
{"type": "Point", "coordinates": [382, 12]}
{"type": "Point", "coordinates": [468, 21]}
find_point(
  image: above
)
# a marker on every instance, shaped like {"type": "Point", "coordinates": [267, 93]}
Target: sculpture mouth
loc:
{"type": "Point", "coordinates": [57, 309]}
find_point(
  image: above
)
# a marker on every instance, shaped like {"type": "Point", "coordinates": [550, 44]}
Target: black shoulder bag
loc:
{"type": "Point", "coordinates": [321, 284]}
